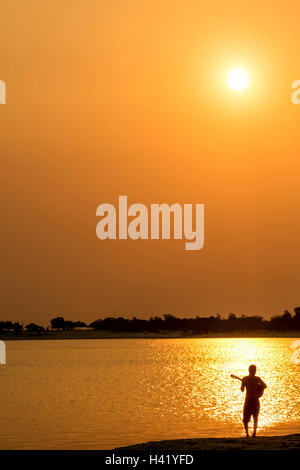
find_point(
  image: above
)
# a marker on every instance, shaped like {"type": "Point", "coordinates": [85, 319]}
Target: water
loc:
{"type": "Point", "coordinates": [100, 394]}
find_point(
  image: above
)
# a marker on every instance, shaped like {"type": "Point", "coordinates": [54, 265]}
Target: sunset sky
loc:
{"type": "Point", "coordinates": [122, 97]}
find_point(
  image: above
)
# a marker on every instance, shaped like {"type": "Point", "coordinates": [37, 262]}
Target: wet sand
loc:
{"type": "Point", "coordinates": [289, 442]}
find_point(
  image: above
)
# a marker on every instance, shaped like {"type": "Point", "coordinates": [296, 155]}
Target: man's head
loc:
{"type": "Point", "coordinates": [252, 370]}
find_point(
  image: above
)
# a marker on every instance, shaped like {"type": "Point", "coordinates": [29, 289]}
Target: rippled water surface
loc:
{"type": "Point", "coordinates": [100, 394]}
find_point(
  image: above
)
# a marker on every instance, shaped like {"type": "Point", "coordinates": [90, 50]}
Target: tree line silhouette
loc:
{"type": "Point", "coordinates": [166, 323]}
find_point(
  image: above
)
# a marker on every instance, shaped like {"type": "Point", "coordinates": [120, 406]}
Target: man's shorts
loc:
{"type": "Point", "coordinates": [251, 408]}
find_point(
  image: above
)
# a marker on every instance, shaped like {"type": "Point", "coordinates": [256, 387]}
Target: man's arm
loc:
{"type": "Point", "coordinates": [262, 383]}
{"type": "Point", "coordinates": [243, 385]}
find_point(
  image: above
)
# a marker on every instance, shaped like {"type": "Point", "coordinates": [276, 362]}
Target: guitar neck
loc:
{"type": "Point", "coordinates": [236, 377]}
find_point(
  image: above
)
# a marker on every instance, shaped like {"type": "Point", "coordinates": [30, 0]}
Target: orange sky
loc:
{"type": "Point", "coordinates": [130, 97]}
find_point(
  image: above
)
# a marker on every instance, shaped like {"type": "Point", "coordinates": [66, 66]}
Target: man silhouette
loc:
{"type": "Point", "coordinates": [254, 390]}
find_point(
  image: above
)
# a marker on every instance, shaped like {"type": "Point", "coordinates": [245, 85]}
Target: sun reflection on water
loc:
{"type": "Point", "coordinates": [103, 394]}
{"type": "Point", "coordinates": [205, 391]}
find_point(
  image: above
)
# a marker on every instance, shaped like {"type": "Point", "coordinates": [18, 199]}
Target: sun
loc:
{"type": "Point", "coordinates": [237, 79]}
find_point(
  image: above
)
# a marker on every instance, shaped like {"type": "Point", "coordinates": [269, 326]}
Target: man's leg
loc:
{"type": "Point", "coordinates": [255, 419]}
{"type": "Point", "coordinates": [246, 428]}
{"type": "Point", "coordinates": [246, 417]}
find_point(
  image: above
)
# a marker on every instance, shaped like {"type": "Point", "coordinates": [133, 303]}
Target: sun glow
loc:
{"type": "Point", "coordinates": [237, 79]}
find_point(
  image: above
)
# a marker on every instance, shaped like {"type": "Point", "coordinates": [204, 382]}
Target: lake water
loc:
{"type": "Point", "coordinates": [100, 394]}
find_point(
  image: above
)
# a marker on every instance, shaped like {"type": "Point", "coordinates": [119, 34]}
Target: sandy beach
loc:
{"type": "Point", "coordinates": [289, 442]}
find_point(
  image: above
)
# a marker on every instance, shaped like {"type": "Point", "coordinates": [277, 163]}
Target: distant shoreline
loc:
{"type": "Point", "coordinates": [94, 334]}
{"type": "Point", "coordinates": [289, 442]}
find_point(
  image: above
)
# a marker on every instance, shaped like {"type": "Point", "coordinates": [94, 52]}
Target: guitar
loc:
{"type": "Point", "coordinates": [235, 377]}
{"type": "Point", "coordinates": [260, 386]}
